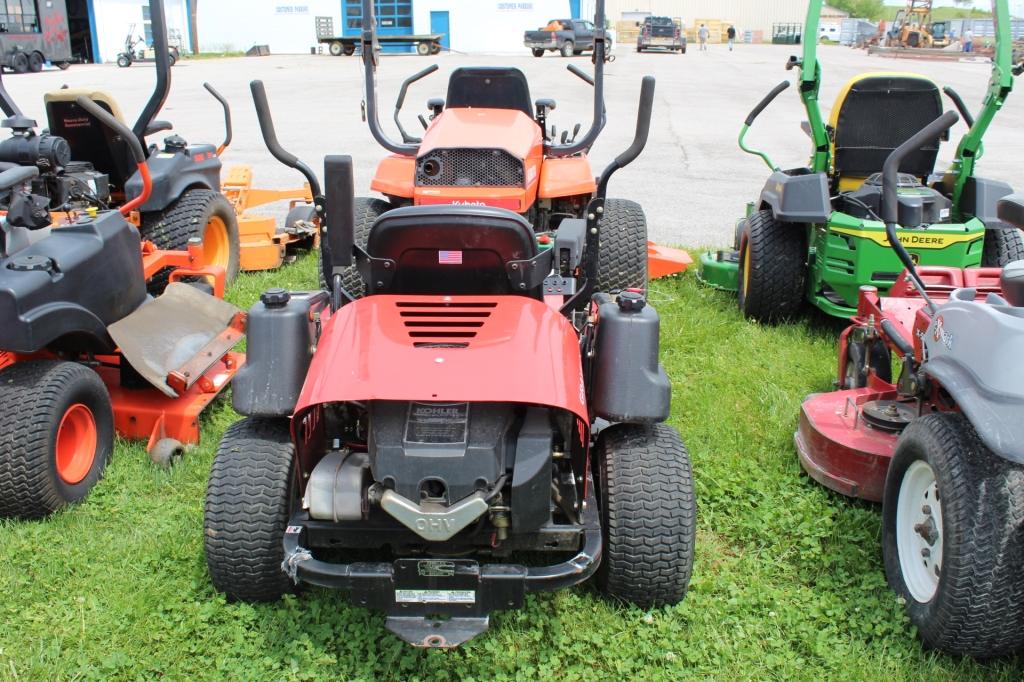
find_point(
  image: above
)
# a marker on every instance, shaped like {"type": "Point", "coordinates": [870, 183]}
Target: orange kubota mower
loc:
{"type": "Point", "coordinates": [488, 144]}
{"type": "Point", "coordinates": [86, 352]}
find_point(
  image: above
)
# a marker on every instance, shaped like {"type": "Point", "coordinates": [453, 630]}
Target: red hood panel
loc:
{"type": "Point", "coordinates": [509, 349]}
{"type": "Point", "coordinates": [507, 129]}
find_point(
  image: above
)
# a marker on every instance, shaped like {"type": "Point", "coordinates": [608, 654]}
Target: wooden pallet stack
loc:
{"type": "Point", "coordinates": [716, 30]}
{"type": "Point", "coordinates": [627, 31]}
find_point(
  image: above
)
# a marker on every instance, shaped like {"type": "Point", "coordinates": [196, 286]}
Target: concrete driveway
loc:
{"type": "Point", "coordinates": [692, 180]}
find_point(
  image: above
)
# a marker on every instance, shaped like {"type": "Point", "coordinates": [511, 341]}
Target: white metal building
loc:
{"type": "Point", "coordinates": [109, 22]}
{"type": "Point", "coordinates": [289, 26]}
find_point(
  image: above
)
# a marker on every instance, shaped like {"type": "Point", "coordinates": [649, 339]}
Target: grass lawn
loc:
{"type": "Point", "coordinates": [788, 582]}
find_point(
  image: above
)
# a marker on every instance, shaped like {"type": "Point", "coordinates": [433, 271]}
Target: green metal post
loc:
{"type": "Point", "coordinates": [999, 88]}
{"type": "Point", "coordinates": [810, 82]}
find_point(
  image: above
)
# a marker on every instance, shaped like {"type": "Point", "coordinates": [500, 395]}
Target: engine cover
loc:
{"type": "Point", "coordinates": [439, 452]}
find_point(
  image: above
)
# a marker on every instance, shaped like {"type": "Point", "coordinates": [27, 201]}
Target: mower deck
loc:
{"type": "Point", "coordinates": [719, 270]}
{"type": "Point", "coordinates": [146, 414]}
{"type": "Point", "coordinates": [838, 450]}
{"type": "Point", "coordinates": [663, 261]}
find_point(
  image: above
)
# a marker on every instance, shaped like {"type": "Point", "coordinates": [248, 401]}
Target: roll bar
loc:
{"type": "Point", "coordinates": [597, 118]}
{"type": "Point", "coordinates": [890, 188]}
{"type": "Point", "coordinates": [958, 102]}
{"type": "Point", "coordinates": [7, 102]}
{"type": "Point", "coordinates": [163, 71]}
{"type": "Point", "coordinates": [643, 129]}
{"type": "Point", "coordinates": [134, 144]}
{"type": "Point", "coordinates": [227, 117]}
{"type": "Point", "coordinates": [406, 137]}
{"type": "Point", "coordinates": [259, 98]}
{"type": "Point", "coordinates": [367, 42]}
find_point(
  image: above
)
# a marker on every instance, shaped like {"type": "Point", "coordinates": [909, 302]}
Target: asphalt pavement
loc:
{"type": "Point", "coordinates": [692, 179]}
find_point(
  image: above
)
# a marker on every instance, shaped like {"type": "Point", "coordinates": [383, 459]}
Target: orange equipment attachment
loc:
{"type": "Point", "coordinates": [261, 244]}
{"type": "Point", "coordinates": [663, 261]}
{"type": "Point", "coordinates": [152, 416]}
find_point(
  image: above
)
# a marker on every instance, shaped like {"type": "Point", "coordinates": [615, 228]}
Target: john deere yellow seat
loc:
{"type": "Point", "coordinates": [874, 114]}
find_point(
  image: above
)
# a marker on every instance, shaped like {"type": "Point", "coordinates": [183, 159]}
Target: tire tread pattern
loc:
{"type": "Point", "coordinates": [979, 608]}
{"type": "Point", "coordinates": [30, 392]}
{"type": "Point", "coordinates": [649, 515]}
{"type": "Point", "coordinates": [1002, 247]}
{"type": "Point", "coordinates": [622, 253]}
{"type": "Point", "coordinates": [247, 509]}
{"type": "Point", "coordinates": [778, 256]}
{"type": "Point", "coordinates": [171, 229]}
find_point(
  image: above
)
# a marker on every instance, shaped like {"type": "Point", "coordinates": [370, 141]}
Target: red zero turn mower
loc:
{"type": "Point", "coordinates": [454, 415]}
{"type": "Point", "coordinates": [942, 446]}
{"type": "Point", "coordinates": [85, 352]}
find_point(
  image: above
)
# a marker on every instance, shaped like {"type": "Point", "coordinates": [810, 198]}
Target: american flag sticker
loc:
{"type": "Point", "coordinates": [449, 257]}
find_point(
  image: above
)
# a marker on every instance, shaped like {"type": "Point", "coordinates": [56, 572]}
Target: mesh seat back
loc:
{"type": "Point", "coordinates": [875, 115]}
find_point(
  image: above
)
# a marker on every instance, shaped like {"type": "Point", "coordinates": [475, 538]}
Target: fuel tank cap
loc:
{"type": "Point", "coordinates": [32, 264]}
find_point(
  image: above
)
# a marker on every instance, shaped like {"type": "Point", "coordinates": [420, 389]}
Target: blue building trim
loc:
{"type": "Point", "coordinates": [188, 25]}
{"type": "Point", "coordinates": [574, 8]}
{"type": "Point", "coordinates": [92, 32]}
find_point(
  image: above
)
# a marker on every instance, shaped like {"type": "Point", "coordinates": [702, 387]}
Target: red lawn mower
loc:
{"type": "Point", "coordinates": [481, 400]}
{"type": "Point", "coordinates": [942, 445]}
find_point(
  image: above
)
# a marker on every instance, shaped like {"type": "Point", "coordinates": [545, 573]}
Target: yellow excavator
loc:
{"type": "Point", "coordinates": [912, 26]}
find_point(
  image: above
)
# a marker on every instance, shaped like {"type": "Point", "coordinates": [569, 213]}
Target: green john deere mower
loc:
{"type": "Point", "coordinates": [815, 234]}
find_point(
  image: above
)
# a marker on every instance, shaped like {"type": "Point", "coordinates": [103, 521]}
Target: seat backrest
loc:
{"type": "Point", "coordinates": [458, 250]}
{"type": "Point", "coordinates": [89, 139]}
{"type": "Point", "coordinates": [876, 113]}
{"type": "Point", "coordinates": [491, 87]}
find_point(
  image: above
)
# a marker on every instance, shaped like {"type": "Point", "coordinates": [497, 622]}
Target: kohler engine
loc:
{"type": "Point", "coordinates": [438, 467]}
{"type": "Point", "coordinates": [66, 183]}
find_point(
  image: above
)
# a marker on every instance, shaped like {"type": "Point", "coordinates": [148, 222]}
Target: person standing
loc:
{"type": "Point", "coordinates": [968, 40]}
{"type": "Point", "coordinates": [731, 34]}
{"type": "Point", "coordinates": [702, 36]}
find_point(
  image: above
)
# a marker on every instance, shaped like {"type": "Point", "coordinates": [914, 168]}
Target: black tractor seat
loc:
{"type": "Point", "coordinates": [491, 87]}
{"type": "Point", "coordinates": [89, 139]}
{"type": "Point", "coordinates": [458, 250]}
{"type": "Point", "coordinates": [876, 113]}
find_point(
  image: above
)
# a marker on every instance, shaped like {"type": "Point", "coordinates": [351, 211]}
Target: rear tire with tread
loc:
{"type": "Point", "coordinates": [648, 514]}
{"type": "Point", "coordinates": [248, 505]}
{"type": "Point", "coordinates": [187, 217]}
{"type": "Point", "coordinates": [567, 48]}
{"type": "Point", "coordinates": [776, 254]}
{"type": "Point", "coordinates": [34, 398]}
{"type": "Point", "coordinates": [622, 252]}
{"type": "Point", "coordinates": [1002, 246]}
{"type": "Point", "coordinates": [538, 52]}
{"type": "Point", "coordinates": [977, 606]}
